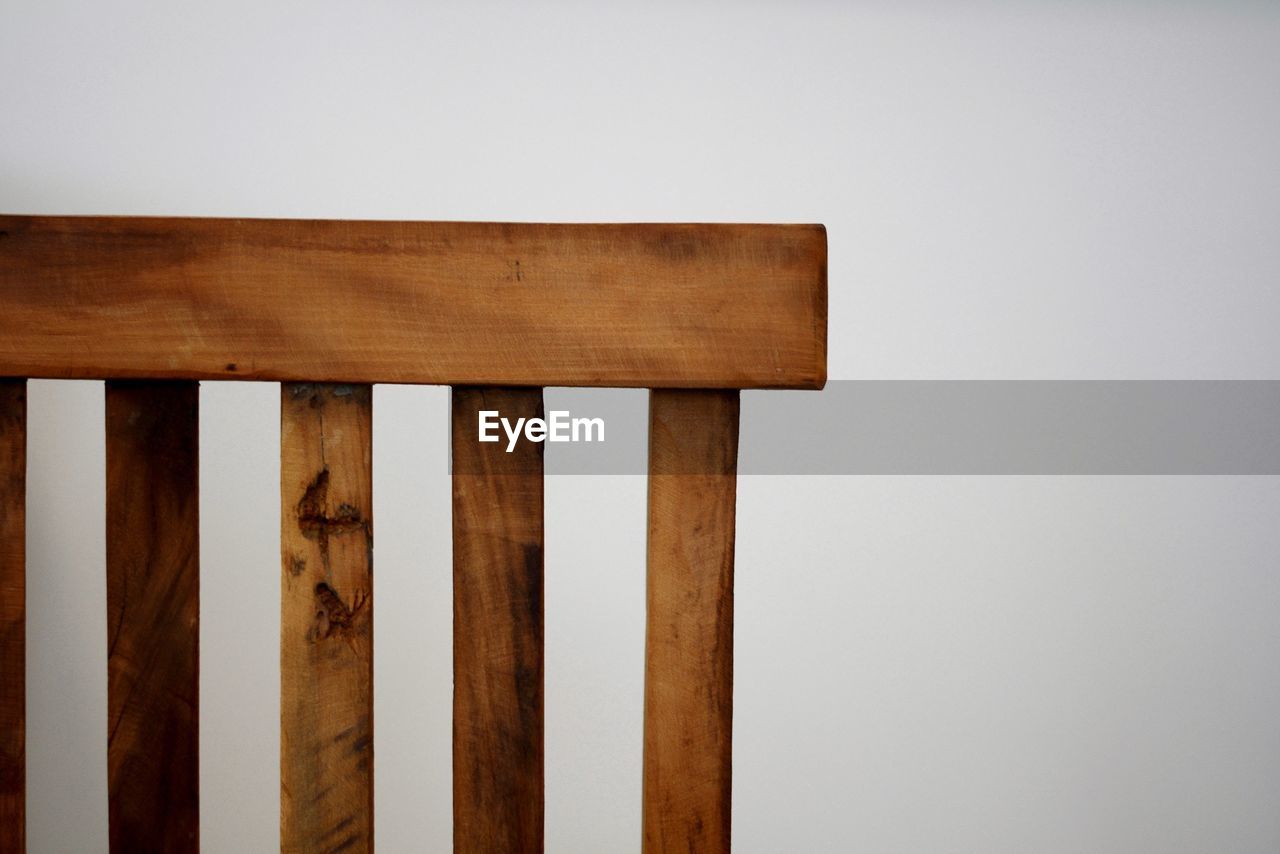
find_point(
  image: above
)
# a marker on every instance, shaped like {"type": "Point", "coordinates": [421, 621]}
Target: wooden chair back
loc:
{"type": "Point", "coordinates": [154, 306]}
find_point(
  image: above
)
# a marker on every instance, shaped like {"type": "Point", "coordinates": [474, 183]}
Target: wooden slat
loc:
{"type": "Point", "coordinates": [688, 709]}
{"type": "Point", "coordinates": [326, 623]}
{"type": "Point", "coordinates": [497, 629]}
{"type": "Point", "coordinates": [711, 306]}
{"type": "Point", "coordinates": [13, 587]}
{"type": "Point", "coordinates": [153, 612]}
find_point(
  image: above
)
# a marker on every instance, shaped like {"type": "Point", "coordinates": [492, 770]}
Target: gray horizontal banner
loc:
{"type": "Point", "coordinates": [949, 427]}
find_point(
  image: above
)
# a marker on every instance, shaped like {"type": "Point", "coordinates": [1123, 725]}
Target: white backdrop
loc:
{"type": "Point", "coordinates": [1019, 190]}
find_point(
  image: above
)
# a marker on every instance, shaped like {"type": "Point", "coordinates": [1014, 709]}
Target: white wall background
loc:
{"type": "Point", "coordinates": [1015, 190]}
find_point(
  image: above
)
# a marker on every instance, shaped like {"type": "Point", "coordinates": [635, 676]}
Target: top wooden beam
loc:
{"type": "Point", "coordinates": [689, 305]}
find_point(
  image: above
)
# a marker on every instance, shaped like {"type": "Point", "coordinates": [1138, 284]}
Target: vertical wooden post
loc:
{"type": "Point", "coordinates": [13, 606]}
{"type": "Point", "coordinates": [153, 613]}
{"type": "Point", "coordinates": [688, 708]}
{"type": "Point", "coordinates": [497, 629]}
{"type": "Point", "coordinates": [326, 621]}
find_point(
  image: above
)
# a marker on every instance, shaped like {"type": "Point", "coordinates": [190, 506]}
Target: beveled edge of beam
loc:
{"type": "Point", "coordinates": [657, 305]}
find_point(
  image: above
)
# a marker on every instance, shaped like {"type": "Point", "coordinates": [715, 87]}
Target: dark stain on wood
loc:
{"type": "Point", "coordinates": [315, 521]}
{"type": "Point", "coordinates": [333, 617]}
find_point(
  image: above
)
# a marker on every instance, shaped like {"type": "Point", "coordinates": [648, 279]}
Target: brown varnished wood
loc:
{"type": "Point", "coordinates": [688, 708]}
{"type": "Point", "coordinates": [13, 587]}
{"type": "Point", "coordinates": [497, 629]}
{"type": "Point", "coordinates": [648, 305]}
{"type": "Point", "coordinates": [326, 624]}
{"type": "Point", "coordinates": [153, 588]}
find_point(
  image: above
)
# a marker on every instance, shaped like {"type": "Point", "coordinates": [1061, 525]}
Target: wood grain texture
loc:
{"type": "Point", "coordinates": [13, 614]}
{"type": "Point", "coordinates": [497, 629]}
{"type": "Point", "coordinates": [711, 306]}
{"type": "Point", "coordinates": [153, 613]}
{"type": "Point", "coordinates": [326, 624]}
{"type": "Point", "coordinates": [688, 699]}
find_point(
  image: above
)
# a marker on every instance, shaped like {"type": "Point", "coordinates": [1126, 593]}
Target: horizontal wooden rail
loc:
{"type": "Point", "coordinates": [700, 306]}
